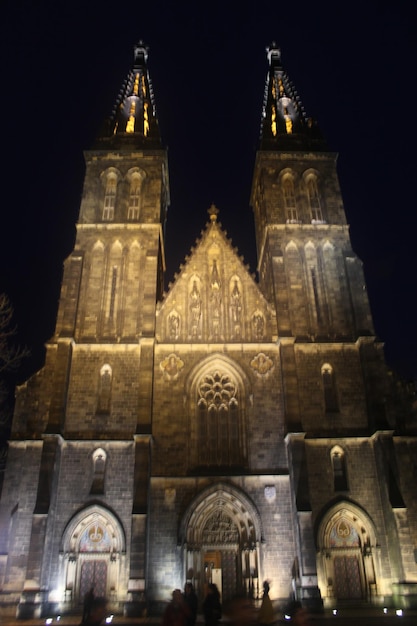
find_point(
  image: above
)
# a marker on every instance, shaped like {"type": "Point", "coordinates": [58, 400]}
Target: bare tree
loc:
{"type": "Point", "coordinates": [11, 357]}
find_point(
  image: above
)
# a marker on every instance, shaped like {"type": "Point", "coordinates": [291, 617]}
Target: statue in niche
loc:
{"type": "Point", "coordinates": [258, 324]}
{"type": "Point", "coordinates": [236, 303]}
{"type": "Point", "coordinates": [174, 325]}
{"type": "Point", "coordinates": [195, 309]}
{"type": "Point", "coordinates": [216, 299]}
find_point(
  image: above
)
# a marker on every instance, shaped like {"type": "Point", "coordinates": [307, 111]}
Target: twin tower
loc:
{"type": "Point", "coordinates": [228, 431]}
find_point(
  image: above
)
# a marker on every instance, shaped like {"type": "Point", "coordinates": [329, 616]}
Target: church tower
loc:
{"type": "Point", "coordinates": [338, 396]}
{"type": "Point", "coordinates": [227, 431]}
{"type": "Point", "coordinates": [82, 424]}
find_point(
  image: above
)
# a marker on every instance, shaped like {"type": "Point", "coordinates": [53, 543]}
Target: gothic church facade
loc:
{"type": "Point", "coordinates": [229, 430]}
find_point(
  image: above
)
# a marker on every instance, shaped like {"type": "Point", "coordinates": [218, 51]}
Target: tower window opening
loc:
{"type": "Point", "coordinates": [288, 122]}
{"type": "Point", "coordinates": [289, 200]}
{"type": "Point", "coordinates": [130, 126]}
{"type": "Point", "coordinates": [145, 119]}
{"type": "Point", "coordinates": [134, 200]}
{"type": "Point", "coordinates": [314, 200]}
{"type": "Point", "coordinates": [109, 199]}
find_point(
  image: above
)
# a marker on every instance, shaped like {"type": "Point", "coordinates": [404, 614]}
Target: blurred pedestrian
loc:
{"type": "Point", "coordinates": [212, 608]}
{"type": "Point", "coordinates": [88, 601]}
{"type": "Point", "coordinates": [266, 612]}
{"type": "Point", "coordinates": [190, 599]}
{"type": "Point", "coordinates": [97, 612]}
{"type": "Point", "coordinates": [177, 611]}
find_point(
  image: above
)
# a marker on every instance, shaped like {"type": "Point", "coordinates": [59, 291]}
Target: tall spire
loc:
{"type": "Point", "coordinates": [133, 119]}
{"type": "Point", "coordinates": [285, 125]}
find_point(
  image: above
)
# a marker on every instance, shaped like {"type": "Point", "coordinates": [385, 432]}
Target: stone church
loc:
{"type": "Point", "coordinates": [227, 431]}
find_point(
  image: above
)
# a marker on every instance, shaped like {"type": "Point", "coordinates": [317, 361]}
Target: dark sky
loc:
{"type": "Point", "coordinates": [353, 65]}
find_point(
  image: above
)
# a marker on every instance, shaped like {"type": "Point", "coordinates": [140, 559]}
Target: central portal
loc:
{"type": "Point", "coordinates": [222, 544]}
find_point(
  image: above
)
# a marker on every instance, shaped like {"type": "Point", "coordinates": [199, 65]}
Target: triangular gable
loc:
{"type": "Point", "coordinates": [214, 297]}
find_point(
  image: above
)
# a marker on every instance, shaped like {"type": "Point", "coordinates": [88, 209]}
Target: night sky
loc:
{"type": "Point", "coordinates": [63, 63]}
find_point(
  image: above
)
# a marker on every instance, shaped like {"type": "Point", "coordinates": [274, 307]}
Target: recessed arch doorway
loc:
{"type": "Point", "coordinates": [347, 564]}
{"type": "Point", "coordinates": [221, 536]}
{"type": "Point", "coordinates": [93, 555]}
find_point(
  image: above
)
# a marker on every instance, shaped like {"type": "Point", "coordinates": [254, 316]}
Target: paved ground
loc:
{"type": "Point", "coordinates": [371, 617]}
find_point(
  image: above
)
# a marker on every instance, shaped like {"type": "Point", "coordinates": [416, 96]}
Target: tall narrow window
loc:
{"type": "Point", "coordinates": [314, 200]}
{"type": "Point", "coordinates": [113, 293]}
{"type": "Point", "coordinates": [340, 482]}
{"type": "Point", "coordinates": [99, 467]}
{"type": "Point", "coordinates": [104, 390]}
{"type": "Point", "coordinates": [218, 417]}
{"type": "Point", "coordinates": [316, 295]}
{"type": "Point", "coordinates": [329, 389]}
{"type": "Point", "coordinates": [289, 200]}
{"type": "Point", "coordinates": [110, 198]}
{"type": "Point", "coordinates": [134, 199]}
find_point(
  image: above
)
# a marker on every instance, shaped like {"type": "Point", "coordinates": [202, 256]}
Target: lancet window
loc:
{"type": "Point", "coordinates": [99, 468]}
{"type": "Point", "coordinates": [104, 390]}
{"type": "Point", "coordinates": [218, 419]}
{"type": "Point", "coordinates": [314, 200]}
{"type": "Point", "coordinates": [110, 198]}
{"type": "Point", "coordinates": [339, 469]}
{"type": "Point", "coordinates": [134, 199]}
{"type": "Point", "coordinates": [289, 200]}
{"type": "Point", "coordinates": [329, 389]}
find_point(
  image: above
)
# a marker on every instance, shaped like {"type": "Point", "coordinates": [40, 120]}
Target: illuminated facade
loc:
{"type": "Point", "coordinates": [227, 430]}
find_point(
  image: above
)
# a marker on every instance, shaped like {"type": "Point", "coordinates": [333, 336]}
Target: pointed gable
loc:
{"type": "Point", "coordinates": [214, 298]}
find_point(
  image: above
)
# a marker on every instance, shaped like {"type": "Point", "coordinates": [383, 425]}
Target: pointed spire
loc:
{"type": "Point", "coordinates": [133, 120]}
{"type": "Point", "coordinates": [285, 126]}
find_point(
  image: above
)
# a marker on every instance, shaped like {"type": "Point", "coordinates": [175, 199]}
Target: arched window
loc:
{"type": "Point", "coordinates": [99, 468]}
{"type": "Point", "coordinates": [289, 199]}
{"type": "Point", "coordinates": [134, 198]}
{"type": "Point", "coordinates": [110, 197]}
{"type": "Point", "coordinates": [337, 456]}
{"type": "Point", "coordinates": [314, 200]}
{"type": "Point", "coordinates": [104, 391]}
{"type": "Point", "coordinates": [331, 403]}
{"type": "Point", "coordinates": [218, 420]}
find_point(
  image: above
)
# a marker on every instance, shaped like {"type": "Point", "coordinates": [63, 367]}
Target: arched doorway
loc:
{"type": "Point", "coordinates": [93, 549]}
{"type": "Point", "coordinates": [346, 557]}
{"type": "Point", "coordinates": [221, 535]}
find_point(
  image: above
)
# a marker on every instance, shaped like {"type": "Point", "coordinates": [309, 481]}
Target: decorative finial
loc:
{"type": "Point", "coordinates": [273, 52]}
{"type": "Point", "coordinates": [140, 53]}
{"type": "Point", "coordinates": [213, 211]}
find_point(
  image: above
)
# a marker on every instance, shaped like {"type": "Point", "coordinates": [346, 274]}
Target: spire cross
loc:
{"type": "Point", "coordinates": [213, 211]}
